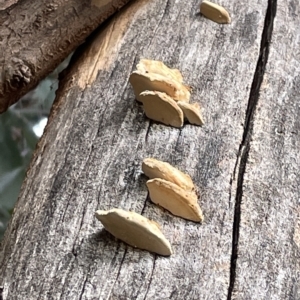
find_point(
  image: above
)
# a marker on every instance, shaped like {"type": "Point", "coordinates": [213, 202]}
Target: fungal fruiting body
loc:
{"type": "Point", "coordinates": [175, 199]}
{"type": "Point", "coordinates": [172, 189]}
{"type": "Point", "coordinates": [135, 230]}
{"type": "Point", "coordinates": [154, 168]}
{"type": "Point", "coordinates": [215, 12]}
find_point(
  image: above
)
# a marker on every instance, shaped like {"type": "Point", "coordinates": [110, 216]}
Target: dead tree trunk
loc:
{"type": "Point", "coordinates": [35, 36]}
{"type": "Point", "coordinates": [245, 161]}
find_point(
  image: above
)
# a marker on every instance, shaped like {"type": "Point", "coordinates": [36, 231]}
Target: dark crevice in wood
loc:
{"type": "Point", "coordinates": [74, 252]}
{"type": "Point", "coordinates": [151, 276]}
{"type": "Point", "coordinates": [177, 146]}
{"type": "Point", "coordinates": [83, 288]}
{"type": "Point", "coordinates": [230, 189]}
{"type": "Point", "coordinates": [121, 265]}
{"type": "Point", "coordinates": [148, 131]}
{"type": "Point", "coordinates": [248, 130]}
{"type": "Point", "coordinates": [145, 203]}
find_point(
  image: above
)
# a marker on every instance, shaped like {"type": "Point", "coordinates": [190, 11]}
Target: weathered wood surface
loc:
{"type": "Point", "coordinates": [268, 264]}
{"type": "Point", "coordinates": [35, 36]}
{"type": "Point", "coordinates": [90, 158]}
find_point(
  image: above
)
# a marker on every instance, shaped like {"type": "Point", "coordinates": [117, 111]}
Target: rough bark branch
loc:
{"type": "Point", "coordinates": [37, 35]}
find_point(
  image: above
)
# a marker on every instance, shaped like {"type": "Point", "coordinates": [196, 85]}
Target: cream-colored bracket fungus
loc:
{"type": "Point", "coordinates": [162, 108]}
{"type": "Point", "coordinates": [158, 67]}
{"type": "Point", "coordinates": [178, 201]}
{"type": "Point", "coordinates": [141, 82]}
{"type": "Point", "coordinates": [191, 112]}
{"type": "Point", "coordinates": [135, 230]}
{"type": "Point", "coordinates": [154, 168]}
{"type": "Point", "coordinates": [214, 12]}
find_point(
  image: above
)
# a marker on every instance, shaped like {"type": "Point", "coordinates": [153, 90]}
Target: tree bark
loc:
{"type": "Point", "coordinates": [38, 35]}
{"type": "Point", "coordinates": [244, 161]}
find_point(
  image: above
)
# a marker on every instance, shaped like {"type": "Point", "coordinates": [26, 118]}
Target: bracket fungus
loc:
{"type": "Point", "coordinates": [160, 89]}
{"type": "Point", "coordinates": [141, 82]}
{"type": "Point", "coordinates": [154, 168]}
{"type": "Point", "coordinates": [162, 108]}
{"type": "Point", "coordinates": [172, 197]}
{"type": "Point", "coordinates": [158, 67]}
{"type": "Point", "coordinates": [214, 12]}
{"type": "Point", "coordinates": [135, 230]}
{"type": "Point", "coordinates": [191, 112]}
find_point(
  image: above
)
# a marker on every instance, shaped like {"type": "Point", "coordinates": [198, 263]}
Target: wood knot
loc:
{"type": "Point", "coordinates": [21, 74]}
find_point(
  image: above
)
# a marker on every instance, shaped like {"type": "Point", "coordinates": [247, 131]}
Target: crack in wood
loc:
{"type": "Point", "coordinates": [148, 132]}
{"type": "Point", "coordinates": [83, 288]}
{"type": "Point", "coordinates": [159, 22]}
{"type": "Point", "coordinates": [247, 134]}
{"type": "Point", "coordinates": [151, 277]}
{"type": "Point", "coordinates": [145, 203]}
{"type": "Point", "coordinates": [121, 265]}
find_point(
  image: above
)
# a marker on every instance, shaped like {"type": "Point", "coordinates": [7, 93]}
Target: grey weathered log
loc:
{"type": "Point", "coordinates": [90, 158]}
{"type": "Point", "coordinates": [268, 261]}
{"type": "Point", "coordinates": [35, 36]}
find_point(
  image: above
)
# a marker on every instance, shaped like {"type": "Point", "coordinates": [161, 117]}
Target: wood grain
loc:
{"type": "Point", "coordinates": [90, 158]}
{"type": "Point", "coordinates": [268, 264]}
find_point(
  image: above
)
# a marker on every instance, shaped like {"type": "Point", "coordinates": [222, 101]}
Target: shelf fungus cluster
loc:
{"type": "Point", "coordinates": [172, 189]}
{"type": "Point", "coordinates": [169, 188]}
{"type": "Point", "coordinates": [164, 96]}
